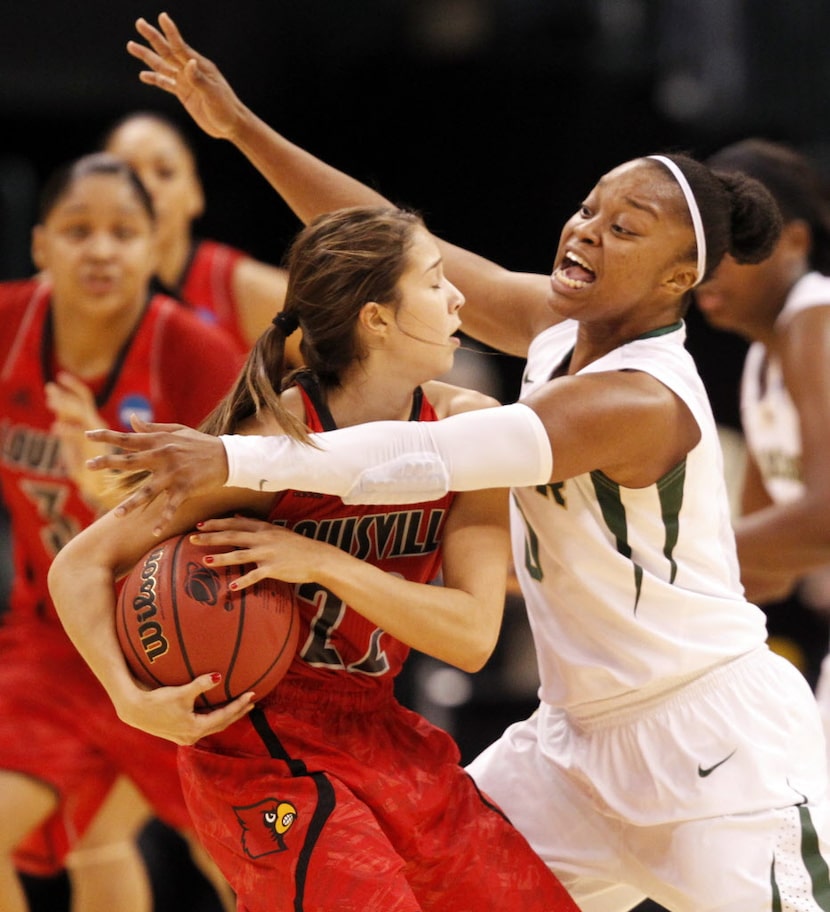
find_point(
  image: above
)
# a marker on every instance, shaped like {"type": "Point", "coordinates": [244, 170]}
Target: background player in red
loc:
{"type": "Point", "coordinates": [220, 282]}
{"type": "Point", "coordinates": [329, 794]}
{"type": "Point", "coordinates": [76, 784]}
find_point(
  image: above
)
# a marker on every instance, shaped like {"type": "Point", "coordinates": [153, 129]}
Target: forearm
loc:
{"type": "Point", "coordinates": [448, 624]}
{"type": "Point", "coordinates": [786, 541]}
{"type": "Point", "coordinates": [84, 597]}
{"type": "Point", "coordinates": [400, 462]}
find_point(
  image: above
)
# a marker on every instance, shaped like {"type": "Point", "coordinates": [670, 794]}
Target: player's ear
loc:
{"type": "Point", "coordinates": [375, 319]}
{"type": "Point", "coordinates": [197, 198]}
{"type": "Point", "coordinates": [681, 280]}
{"type": "Point", "coordinates": [36, 248]}
{"type": "Point", "coordinates": [797, 237]}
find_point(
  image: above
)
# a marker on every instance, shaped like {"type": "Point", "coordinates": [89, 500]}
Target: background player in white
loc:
{"type": "Point", "coordinates": [782, 308]}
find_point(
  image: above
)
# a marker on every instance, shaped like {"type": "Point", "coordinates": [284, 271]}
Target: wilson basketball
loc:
{"type": "Point", "coordinates": [176, 618]}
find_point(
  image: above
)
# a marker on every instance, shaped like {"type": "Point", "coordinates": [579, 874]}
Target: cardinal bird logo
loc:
{"type": "Point", "coordinates": [265, 825]}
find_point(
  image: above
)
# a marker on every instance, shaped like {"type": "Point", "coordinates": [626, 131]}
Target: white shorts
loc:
{"type": "Point", "coordinates": [711, 797]}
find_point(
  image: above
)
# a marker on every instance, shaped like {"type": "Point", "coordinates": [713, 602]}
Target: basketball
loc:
{"type": "Point", "coordinates": [176, 618]}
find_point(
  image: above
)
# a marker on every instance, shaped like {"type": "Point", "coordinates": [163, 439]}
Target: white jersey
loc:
{"type": "Point", "coordinates": [631, 591]}
{"type": "Point", "coordinates": [769, 417]}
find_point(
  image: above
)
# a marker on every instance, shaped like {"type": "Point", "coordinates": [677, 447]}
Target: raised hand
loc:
{"type": "Point", "coordinates": [183, 462]}
{"type": "Point", "coordinates": [175, 67]}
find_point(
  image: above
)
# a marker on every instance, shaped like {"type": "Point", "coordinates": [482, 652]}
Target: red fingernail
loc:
{"type": "Point", "coordinates": [209, 559]}
{"type": "Point", "coordinates": [200, 524]}
{"type": "Point", "coordinates": [233, 585]}
{"type": "Point", "coordinates": [216, 677]}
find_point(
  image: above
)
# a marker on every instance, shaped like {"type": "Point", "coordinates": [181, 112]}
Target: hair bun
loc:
{"type": "Point", "coordinates": [755, 218]}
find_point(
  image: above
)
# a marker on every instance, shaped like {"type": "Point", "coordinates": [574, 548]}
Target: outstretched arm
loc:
{"type": "Point", "coordinates": [382, 462]}
{"type": "Point", "coordinates": [625, 423]}
{"type": "Point", "coordinates": [504, 309]}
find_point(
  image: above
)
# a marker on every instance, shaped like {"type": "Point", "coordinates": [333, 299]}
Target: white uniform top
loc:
{"type": "Point", "coordinates": [769, 418]}
{"type": "Point", "coordinates": [631, 592]}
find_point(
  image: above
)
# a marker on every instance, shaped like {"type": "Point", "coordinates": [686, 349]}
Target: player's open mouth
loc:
{"type": "Point", "coordinates": [574, 272]}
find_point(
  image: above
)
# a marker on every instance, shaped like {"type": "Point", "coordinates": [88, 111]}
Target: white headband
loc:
{"type": "Point", "coordinates": [694, 211]}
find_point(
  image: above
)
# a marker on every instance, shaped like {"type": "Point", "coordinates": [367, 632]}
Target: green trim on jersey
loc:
{"type": "Point", "coordinates": [662, 331]}
{"type": "Point", "coordinates": [613, 512]}
{"type": "Point", "coordinates": [670, 491]}
{"type": "Point", "coordinates": [533, 564]}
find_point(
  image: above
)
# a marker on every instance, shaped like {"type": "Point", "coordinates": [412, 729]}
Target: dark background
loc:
{"type": "Point", "coordinates": [493, 117]}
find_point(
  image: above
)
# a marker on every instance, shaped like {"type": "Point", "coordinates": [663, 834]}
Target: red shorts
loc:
{"type": "Point", "coordinates": [352, 802]}
{"type": "Point", "coordinates": [57, 725]}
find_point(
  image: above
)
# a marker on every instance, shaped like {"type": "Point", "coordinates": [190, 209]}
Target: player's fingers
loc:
{"type": "Point", "coordinates": [156, 54]}
{"type": "Point", "coordinates": [156, 427]}
{"type": "Point", "coordinates": [152, 36]}
{"type": "Point", "coordinates": [122, 462]}
{"type": "Point", "coordinates": [251, 578]}
{"type": "Point", "coordinates": [218, 719]}
{"type": "Point", "coordinates": [127, 440]}
{"type": "Point", "coordinates": [150, 59]}
{"type": "Point", "coordinates": [165, 83]}
{"type": "Point", "coordinates": [145, 495]}
{"type": "Point", "coordinates": [67, 382]}
{"type": "Point", "coordinates": [174, 501]}
{"type": "Point", "coordinates": [220, 539]}
{"type": "Point", "coordinates": [175, 42]}
{"type": "Point", "coordinates": [228, 524]}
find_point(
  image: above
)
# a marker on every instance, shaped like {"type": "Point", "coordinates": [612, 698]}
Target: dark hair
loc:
{"type": "Point", "coordinates": [739, 215]}
{"type": "Point", "coordinates": [157, 117]}
{"type": "Point", "coordinates": [800, 190]}
{"type": "Point", "coordinates": [61, 181]}
{"type": "Point", "coordinates": [338, 263]}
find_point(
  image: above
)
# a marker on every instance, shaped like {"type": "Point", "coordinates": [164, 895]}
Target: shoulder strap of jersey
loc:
{"type": "Point", "coordinates": [311, 386]}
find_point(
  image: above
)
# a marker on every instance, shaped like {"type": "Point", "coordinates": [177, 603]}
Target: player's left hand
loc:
{"type": "Point", "coordinates": [276, 553]}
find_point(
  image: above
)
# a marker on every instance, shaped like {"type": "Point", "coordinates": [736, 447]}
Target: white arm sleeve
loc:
{"type": "Point", "coordinates": [389, 462]}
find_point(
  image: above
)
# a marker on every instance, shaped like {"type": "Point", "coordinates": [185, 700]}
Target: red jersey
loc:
{"type": "Point", "coordinates": [207, 287]}
{"type": "Point", "coordinates": [172, 368]}
{"type": "Point", "coordinates": [405, 540]}
{"type": "Point", "coordinates": [331, 795]}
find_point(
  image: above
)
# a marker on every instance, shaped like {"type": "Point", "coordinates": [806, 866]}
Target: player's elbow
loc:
{"type": "Point", "coordinates": [478, 649]}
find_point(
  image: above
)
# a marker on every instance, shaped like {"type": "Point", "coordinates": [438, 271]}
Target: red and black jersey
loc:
{"type": "Point", "coordinates": [405, 540]}
{"type": "Point", "coordinates": [172, 368]}
{"type": "Point", "coordinates": [207, 287]}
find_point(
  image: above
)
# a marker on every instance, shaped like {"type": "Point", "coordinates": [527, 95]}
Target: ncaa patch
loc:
{"type": "Point", "coordinates": [134, 404]}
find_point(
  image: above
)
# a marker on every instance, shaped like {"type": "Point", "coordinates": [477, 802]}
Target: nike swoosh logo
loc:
{"type": "Point", "coordinates": [707, 771]}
